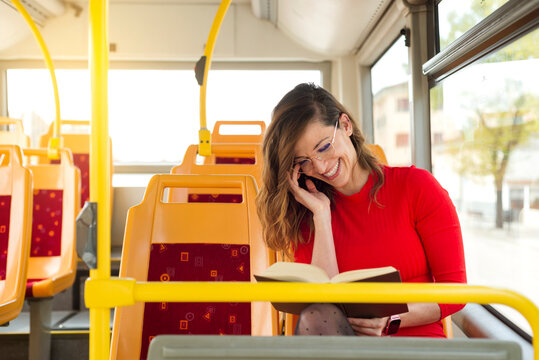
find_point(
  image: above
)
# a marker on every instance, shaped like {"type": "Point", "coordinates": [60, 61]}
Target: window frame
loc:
{"type": "Point", "coordinates": [509, 22]}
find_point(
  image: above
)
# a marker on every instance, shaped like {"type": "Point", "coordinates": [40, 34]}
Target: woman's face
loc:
{"type": "Point", "coordinates": [334, 164]}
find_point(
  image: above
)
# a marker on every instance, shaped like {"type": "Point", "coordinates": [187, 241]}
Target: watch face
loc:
{"type": "Point", "coordinates": [393, 325]}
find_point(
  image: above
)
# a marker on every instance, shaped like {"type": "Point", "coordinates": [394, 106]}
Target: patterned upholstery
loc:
{"type": "Point", "coordinates": [234, 160]}
{"type": "Point", "coordinates": [82, 161]}
{"type": "Point", "coordinates": [47, 223]}
{"type": "Point", "coordinates": [215, 198]}
{"type": "Point", "coordinates": [197, 262]}
{"type": "Point", "coordinates": [5, 207]}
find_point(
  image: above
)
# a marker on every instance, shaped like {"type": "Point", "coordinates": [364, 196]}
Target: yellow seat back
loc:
{"type": "Point", "coordinates": [56, 189]}
{"type": "Point", "coordinates": [14, 134]}
{"type": "Point", "coordinates": [218, 137]}
{"type": "Point", "coordinates": [76, 137]}
{"type": "Point", "coordinates": [15, 229]}
{"type": "Point", "coordinates": [189, 166]}
{"type": "Point", "coordinates": [155, 226]}
{"type": "Point", "coordinates": [378, 152]}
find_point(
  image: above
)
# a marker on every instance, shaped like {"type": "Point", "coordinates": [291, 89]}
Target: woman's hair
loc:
{"type": "Point", "coordinates": [280, 214]}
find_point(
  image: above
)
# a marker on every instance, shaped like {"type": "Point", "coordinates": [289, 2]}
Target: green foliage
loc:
{"type": "Point", "coordinates": [462, 22]}
{"type": "Point", "coordinates": [489, 139]}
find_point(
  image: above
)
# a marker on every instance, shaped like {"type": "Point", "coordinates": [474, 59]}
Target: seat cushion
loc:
{"type": "Point", "coordinates": [197, 262]}
{"type": "Point", "coordinates": [47, 223]}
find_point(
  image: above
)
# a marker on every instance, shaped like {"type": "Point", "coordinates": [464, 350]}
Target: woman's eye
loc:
{"type": "Point", "coordinates": [324, 148]}
{"type": "Point", "coordinates": [301, 162]}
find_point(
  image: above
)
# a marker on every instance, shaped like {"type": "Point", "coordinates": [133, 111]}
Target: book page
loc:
{"type": "Point", "coordinates": [356, 275]}
{"type": "Point", "coordinates": [294, 272]}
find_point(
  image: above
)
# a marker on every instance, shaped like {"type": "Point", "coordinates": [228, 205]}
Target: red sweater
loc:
{"type": "Point", "coordinates": [416, 230]}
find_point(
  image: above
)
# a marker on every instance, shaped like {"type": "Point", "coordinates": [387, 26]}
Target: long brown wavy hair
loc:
{"type": "Point", "coordinates": [280, 214]}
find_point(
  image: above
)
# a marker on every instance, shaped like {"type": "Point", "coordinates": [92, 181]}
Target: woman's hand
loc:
{"type": "Point", "coordinates": [368, 327]}
{"type": "Point", "coordinates": [312, 199]}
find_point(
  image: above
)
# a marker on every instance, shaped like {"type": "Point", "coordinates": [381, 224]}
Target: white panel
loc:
{"type": "Point", "coordinates": [13, 28]}
{"type": "Point", "coordinates": [163, 31]}
{"type": "Point", "coordinates": [168, 30]}
{"type": "Point", "coordinates": [331, 27]}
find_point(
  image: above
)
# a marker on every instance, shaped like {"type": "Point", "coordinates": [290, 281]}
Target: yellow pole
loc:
{"type": "Point", "coordinates": [204, 136]}
{"type": "Point", "coordinates": [54, 142]}
{"type": "Point", "coordinates": [100, 168]}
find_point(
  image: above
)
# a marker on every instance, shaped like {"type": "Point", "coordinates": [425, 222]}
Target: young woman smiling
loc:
{"type": "Point", "coordinates": [327, 201]}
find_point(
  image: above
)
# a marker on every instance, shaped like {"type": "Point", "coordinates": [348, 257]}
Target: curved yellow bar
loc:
{"type": "Point", "coordinates": [100, 167]}
{"type": "Point", "coordinates": [122, 292]}
{"type": "Point", "coordinates": [55, 141]}
{"type": "Point", "coordinates": [204, 135]}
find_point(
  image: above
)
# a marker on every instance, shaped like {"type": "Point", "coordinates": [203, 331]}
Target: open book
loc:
{"type": "Point", "coordinates": [297, 272]}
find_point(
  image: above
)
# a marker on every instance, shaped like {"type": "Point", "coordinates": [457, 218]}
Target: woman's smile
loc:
{"type": "Point", "coordinates": [333, 172]}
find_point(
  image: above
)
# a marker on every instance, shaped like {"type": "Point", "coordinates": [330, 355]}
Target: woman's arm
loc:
{"type": "Point", "coordinates": [438, 227]}
{"type": "Point", "coordinates": [323, 248]}
{"type": "Point", "coordinates": [418, 314]}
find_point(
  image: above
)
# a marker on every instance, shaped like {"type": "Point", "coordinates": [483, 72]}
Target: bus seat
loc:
{"type": "Point", "coordinates": [217, 137]}
{"type": "Point", "coordinates": [53, 261]}
{"type": "Point", "coordinates": [56, 203]}
{"type": "Point", "coordinates": [76, 138]}
{"type": "Point", "coordinates": [15, 230]}
{"type": "Point", "coordinates": [378, 152]}
{"type": "Point", "coordinates": [222, 138]}
{"type": "Point", "coordinates": [189, 166]}
{"type": "Point", "coordinates": [172, 347]}
{"type": "Point", "coordinates": [170, 241]}
{"type": "Point", "coordinates": [14, 132]}
{"type": "Point", "coordinates": [222, 195]}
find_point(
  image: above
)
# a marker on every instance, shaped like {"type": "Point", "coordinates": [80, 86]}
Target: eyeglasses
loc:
{"type": "Point", "coordinates": [322, 152]}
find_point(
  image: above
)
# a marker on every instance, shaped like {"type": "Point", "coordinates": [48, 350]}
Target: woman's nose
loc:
{"type": "Point", "coordinates": [319, 165]}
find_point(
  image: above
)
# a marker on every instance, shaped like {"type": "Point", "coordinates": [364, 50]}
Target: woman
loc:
{"type": "Point", "coordinates": [327, 201]}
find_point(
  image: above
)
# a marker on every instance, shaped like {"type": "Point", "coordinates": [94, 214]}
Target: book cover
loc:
{"type": "Point", "coordinates": [297, 272]}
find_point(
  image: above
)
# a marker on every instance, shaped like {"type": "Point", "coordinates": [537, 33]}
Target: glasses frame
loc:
{"type": "Point", "coordinates": [319, 157]}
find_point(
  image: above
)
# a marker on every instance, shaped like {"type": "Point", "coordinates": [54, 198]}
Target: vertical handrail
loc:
{"type": "Point", "coordinates": [100, 168]}
{"type": "Point", "coordinates": [204, 136]}
{"type": "Point", "coordinates": [55, 140]}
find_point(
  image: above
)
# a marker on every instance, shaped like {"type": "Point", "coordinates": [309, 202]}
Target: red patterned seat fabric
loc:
{"type": "Point", "coordinates": [215, 198]}
{"type": "Point", "coordinates": [47, 223]}
{"type": "Point", "coordinates": [5, 215]}
{"type": "Point", "coordinates": [29, 286]}
{"type": "Point", "coordinates": [197, 262]}
{"type": "Point", "coordinates": [234, 160]}
{"type": "Point", "coordinates": [82, 161]}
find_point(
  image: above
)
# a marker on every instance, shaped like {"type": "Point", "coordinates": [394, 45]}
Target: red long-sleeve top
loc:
{"type": "Point", "coordinates": [416, 230]}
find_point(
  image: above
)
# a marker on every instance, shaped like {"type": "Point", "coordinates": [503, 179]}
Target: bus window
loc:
{"type": "Point", "coordinates": [153, 114]}
{"type": "Point", "coordinates": [458, 16]}
{"type": "Point", "coordinates": [485, 144]}
{"type": "Point", "coordinates": [390, 108]}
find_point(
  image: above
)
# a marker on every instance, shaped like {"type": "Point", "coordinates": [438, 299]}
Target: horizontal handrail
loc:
{"type": "Point", "coordinates": [122, 292]}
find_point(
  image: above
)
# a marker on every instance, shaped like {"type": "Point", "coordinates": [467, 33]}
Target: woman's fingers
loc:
{"type": "Point", "coordinates": [368, 327]}
{"type": "Point", "coordinates": [310, 185]}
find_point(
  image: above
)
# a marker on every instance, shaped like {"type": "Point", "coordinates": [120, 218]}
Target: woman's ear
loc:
{"type": "Point", "coordinates": [346, 124]}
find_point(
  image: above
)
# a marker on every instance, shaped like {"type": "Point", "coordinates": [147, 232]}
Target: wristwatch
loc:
{"type": "Point", "coordinates": [392, 326]}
